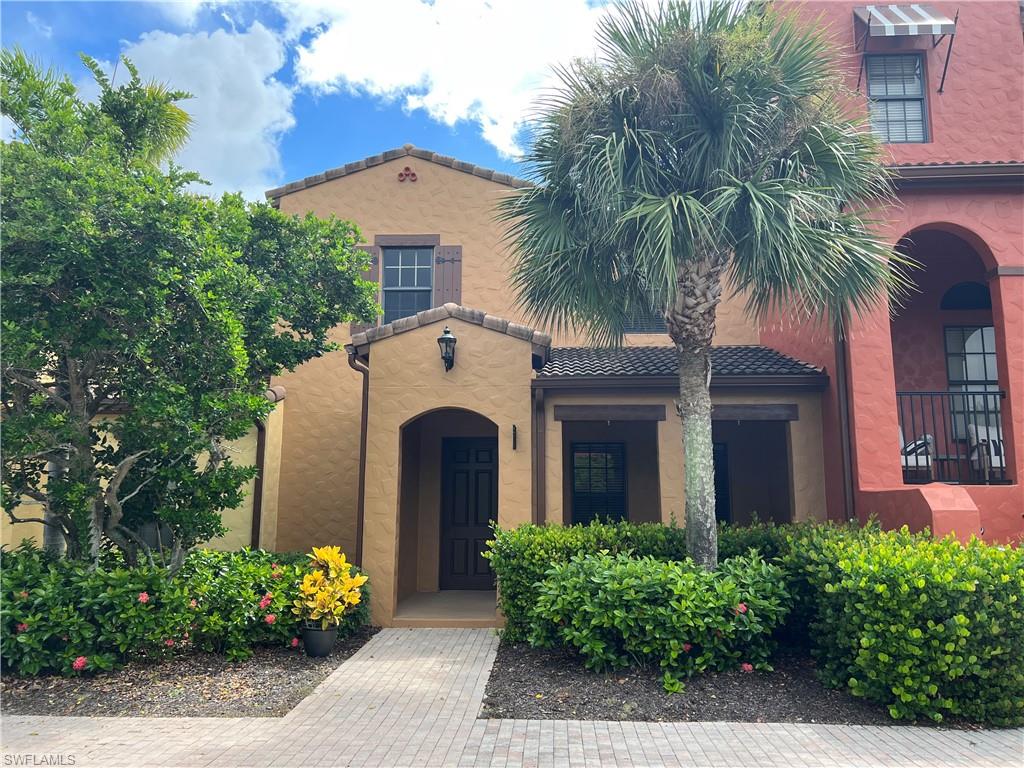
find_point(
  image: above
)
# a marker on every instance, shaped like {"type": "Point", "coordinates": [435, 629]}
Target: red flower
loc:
{"type": "Point", "coordinates": [687, 647]}
{"type": "Point", "coordinates": [80, 663]}
{"type": "Point", "coordinates": [266, 600]}
{"type": "Point", "coordinates": [185, 636]}
{"type": "Point", "coordinates": [270, 618]}
{"type": "Point", "coordinates": [22, 627]}
{"type": "Point", "coordinates": [169, 642]}
{"type": "Point", "coordinates": [295, 642]}
{"type": "Point", "coordinates": [143, 597]}
{"type": "Point", "coordinates": [23, 594]}
{"type": "Point", "coordinates": [741, 608]}
{"type": "Point", "coordinates": [193, 602]}
{"type": "Point", "coordinates": [274, 565]}
{"type": "Point", "coordinates": [276, 575]}
{"type": "Point", "coordinates": [747, 666]}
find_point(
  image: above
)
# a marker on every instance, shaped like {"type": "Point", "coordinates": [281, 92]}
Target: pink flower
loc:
{"type": "Point", "coordinates": [80, 663]}
{"type": "Point", "coordinates": [143, 597]}
{"type": "Point", "coordinates": [295, 642]}
{"type": "Point", "coordinates": [169, 642]}
{"type": "Point", "coordinates": [185, 636]}
{"type": "Point", "coordinates": [266, 600]}
{"type": "Point", "coordinates": [276, 575]}
{"type": "Point", "coordinates": [687, 647]}
{"type": "Point", "coordinates": [747, 667]}
{"type": "Point", "coordinates": [22, 627]}
{"type": "Point", "coordinates": [270, 618]}
{"type": "Point", "coordinates": [741, 608]}
{"type": "Point", "coordinates": [193, 603]}
{"type": "Point", "coordinates": [23, 594]}
{"type": "Point", "coordinates": [274, 566]}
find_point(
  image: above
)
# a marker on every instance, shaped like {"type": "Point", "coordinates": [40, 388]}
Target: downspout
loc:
{"type": "Point", "coordinates": [357, 365]}
{"type": "Point", "coordinates": [845, 439]}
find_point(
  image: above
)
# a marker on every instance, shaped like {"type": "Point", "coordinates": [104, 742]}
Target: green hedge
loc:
{"type": "Point", "coordinates": [57, 612]}
{"type": "Point", "coordinates": [927, 628]}
{"type": "Point", "coordinates": [618, 610]}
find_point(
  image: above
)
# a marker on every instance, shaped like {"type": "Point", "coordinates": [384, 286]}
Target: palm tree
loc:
{"type": "Point", "coordinates": [705, 146]}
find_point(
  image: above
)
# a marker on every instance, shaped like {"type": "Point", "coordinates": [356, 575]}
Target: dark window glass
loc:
{"type": "Point", "coordinates": [971, 367]}
{"type": "Point", "coordinates": [896, 94]}
{"type": "Point", "coordinates": [407, 281]}
{"type": "Point", "coordinates": [598, 482]}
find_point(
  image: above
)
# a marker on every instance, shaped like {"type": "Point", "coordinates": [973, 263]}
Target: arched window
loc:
{"type": "Point", "coordinates": [969, 295]}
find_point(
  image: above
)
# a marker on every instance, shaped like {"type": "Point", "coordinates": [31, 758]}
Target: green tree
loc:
{"type": "Point", "coordinates": [706, 146]}
{"type": "Point", "coordinates": [141, 322]}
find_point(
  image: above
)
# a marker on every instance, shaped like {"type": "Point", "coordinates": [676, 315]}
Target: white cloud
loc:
{"type": "Point", "coordinates": [480, 61]}
{"type": "Point", "coordinates": [39, 25]}
{"type": "Point", "coordinates": [240, 109]}
{"type": "Point", "coordinates": [181, 12]}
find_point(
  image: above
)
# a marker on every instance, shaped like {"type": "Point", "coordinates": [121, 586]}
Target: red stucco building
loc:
{"type": "Point", "coordinates": [943, 85]}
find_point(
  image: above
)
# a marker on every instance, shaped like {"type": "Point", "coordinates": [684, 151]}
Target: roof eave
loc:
{"type": "Point", "coordinates": [808, 382]}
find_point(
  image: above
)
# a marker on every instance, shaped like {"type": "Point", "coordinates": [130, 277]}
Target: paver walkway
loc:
{"type": "Point", "coordinates": [410, 697]}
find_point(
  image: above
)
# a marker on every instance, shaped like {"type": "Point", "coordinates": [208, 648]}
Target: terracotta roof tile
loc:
{"type": "Point", "coordinates": [661, 361]}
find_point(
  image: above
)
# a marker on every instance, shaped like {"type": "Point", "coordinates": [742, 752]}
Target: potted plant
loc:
{"type": "Point", "coordinates": [325, 594]}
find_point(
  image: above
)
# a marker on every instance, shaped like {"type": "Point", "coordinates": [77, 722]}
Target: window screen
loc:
{"type": "Point", "coordinates": [896, 93]}
{"type": "Point", "coordinates": [407, 281]}
{"type": "Point", "coordinates": [971, 367]}
{"type": "Point", "coordinates": [598, 482]}
{"type": "Point", "coordinates": [651, 321]}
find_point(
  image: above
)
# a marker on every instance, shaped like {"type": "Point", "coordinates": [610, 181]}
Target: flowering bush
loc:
{"type": "Point", "coordinates": [61, 616]}
{"type": "Point", "coordinates": [329, 590]}
{"type": "Point", "coordinates": [618, 610]}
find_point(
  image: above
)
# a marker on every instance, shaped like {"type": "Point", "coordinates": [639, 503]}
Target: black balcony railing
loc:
{"type": "Point", "coordinates": [952, 437]}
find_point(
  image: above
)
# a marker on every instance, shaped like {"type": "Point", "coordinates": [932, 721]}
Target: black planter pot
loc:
{"type": "Point", "coordinates": [319, 642]}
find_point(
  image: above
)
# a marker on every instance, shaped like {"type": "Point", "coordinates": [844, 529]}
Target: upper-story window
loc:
{"type": "Point", "coordinates": [407, 282]}
{"type": "Point", "coordinates": [896, 94]}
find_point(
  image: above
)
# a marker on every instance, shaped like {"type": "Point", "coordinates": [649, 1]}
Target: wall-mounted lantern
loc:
{"type": "Point", "coordinates": [446, 341]}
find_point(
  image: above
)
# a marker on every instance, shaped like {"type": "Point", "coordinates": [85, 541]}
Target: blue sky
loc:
{"type": "Point", "coordinates": [288, 89]}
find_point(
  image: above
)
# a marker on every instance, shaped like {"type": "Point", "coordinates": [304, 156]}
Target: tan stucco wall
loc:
{"type": "Point", "coordinates": [807, 489]}
{"type": "Point", "coordinates": [491, 377]}
{"type": "Point", "coordinates": [320, 452]}
{"type": "Point", "coordinates": [12, 534]}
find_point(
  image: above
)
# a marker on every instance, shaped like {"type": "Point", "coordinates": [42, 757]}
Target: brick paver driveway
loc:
{"type": "Point", "coordinates": [410, 697]}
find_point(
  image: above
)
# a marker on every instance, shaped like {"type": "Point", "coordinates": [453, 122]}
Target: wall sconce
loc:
{"type": "Point", "coordinates": [446, 341]}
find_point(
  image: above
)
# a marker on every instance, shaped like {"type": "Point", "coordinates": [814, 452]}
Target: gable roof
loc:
{"type": "Point", "coordinates": [729, 365]}
{"type": "Point", "coordinates": [541, 341]}
{"type": "Point", "coordinates": [407, 150]}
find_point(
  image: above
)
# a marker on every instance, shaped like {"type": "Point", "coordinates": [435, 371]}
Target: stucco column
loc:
{"type": "Point", "coordinates": [873, 412]}
{"type": "Point", "coordinates": [1007, 292]}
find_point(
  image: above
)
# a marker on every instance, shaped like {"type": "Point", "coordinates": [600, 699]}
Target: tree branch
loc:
{"type": "Point", "coordinates": [32, 384]}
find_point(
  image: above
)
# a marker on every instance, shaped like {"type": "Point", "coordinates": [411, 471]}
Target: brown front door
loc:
{"type": "Point", "coordinates": [469, 501]}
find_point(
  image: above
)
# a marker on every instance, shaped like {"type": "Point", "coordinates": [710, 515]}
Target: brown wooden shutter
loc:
{"type": "Point", "coordinates": [373, 274]}
{"type": "Point", "coordinates": [447, 274]}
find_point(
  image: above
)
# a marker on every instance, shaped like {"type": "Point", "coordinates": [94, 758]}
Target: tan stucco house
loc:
{"type": "Point", "coordinates": [404, 463]}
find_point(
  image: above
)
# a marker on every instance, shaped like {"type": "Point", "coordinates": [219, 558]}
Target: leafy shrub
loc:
{"type": "Point", "coordinates": [926, 627]}
{"type": "Point", "coordinates": [520, 557]}
{"type": "Point", "coordinates": [61, 616]}
{"type": "Point", "coordinates": [618, 610]}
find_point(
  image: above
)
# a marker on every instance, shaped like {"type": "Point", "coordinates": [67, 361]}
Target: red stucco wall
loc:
{"type": "Point", "coordinates": [978, 118]}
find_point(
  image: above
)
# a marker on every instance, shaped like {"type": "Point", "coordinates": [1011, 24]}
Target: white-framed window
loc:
{"type": "Point", "coordinates": [407, 280]}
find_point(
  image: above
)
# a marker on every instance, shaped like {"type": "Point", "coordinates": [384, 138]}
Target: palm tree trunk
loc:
{"type": "Point", "coordinates": [691, 324]}
{"type": "Point", "coordinates": [695, 412]}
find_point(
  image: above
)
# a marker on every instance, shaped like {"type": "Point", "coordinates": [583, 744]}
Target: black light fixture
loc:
{"type": "Point", "coordinates": [446, 341]}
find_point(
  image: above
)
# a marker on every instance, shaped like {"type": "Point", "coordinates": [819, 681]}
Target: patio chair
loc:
{"type": "Point", "coordinates": [916, 456]}
{"type": "Point", "coordinates": [986, 449]}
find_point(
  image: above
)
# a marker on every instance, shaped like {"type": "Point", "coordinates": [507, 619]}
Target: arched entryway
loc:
{"type": "Point", "coordinates": [448, 497]}
{"type": "Point", "coordinates": [947, 365]}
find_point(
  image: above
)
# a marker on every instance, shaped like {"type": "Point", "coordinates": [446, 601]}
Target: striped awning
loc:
{"type": "Point", "coordinates": [901, 20]}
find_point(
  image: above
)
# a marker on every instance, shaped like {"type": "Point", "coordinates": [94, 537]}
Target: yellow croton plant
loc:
{"type": "Point", "coordinates": [329, 589]}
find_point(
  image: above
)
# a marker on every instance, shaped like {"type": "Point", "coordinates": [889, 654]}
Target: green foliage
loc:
{"type": "Point", "coordinates": [926, 627]}
{"type": "Point", "coordinates": [127, 294]}
{"type": "Point", "coordinates": [522, 556]}
{"type": "Point", "coordinates": [56, 611]}
{"type": "Point", "coordinates": [618, 610]}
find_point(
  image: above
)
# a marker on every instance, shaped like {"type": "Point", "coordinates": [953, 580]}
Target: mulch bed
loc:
{"type": "Point", "coordinates": [531, 683]}
{"type": "Point", "coordinates": [196, 685]}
